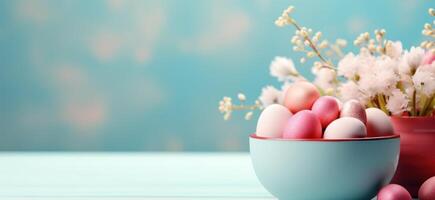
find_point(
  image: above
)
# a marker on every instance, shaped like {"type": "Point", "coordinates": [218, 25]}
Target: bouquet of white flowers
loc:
{"type": "Point", "coordinates": [382, 75]}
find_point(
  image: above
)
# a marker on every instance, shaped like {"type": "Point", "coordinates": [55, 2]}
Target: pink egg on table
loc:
{"type": "Point", "coordinates": [272, 121]}
{"type": "Point", "coordinates": [353, 108]}
{"type": "Point", "coordinates": [427, 190]}
{"type": "Point", "coordinates": [378, 123]}
{"type": "Point", "coordinates": [327, 110]}
{"type": "Point", "coordinates": [346, 127]}
{"type": "Point", "coordinates": [300, 96]}
{"type": "Point", "coordinates": [303, 125]}
{"type": "Point", "coordinates": [394, 192]}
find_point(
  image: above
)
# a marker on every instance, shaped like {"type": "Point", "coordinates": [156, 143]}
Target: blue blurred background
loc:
{"type": "Point", "coordinates": [118, 75]}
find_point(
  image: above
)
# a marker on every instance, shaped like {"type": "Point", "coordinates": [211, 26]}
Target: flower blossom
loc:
{"type": "Point", "coordinates": [393, 49]}
{"type": "Point", "coordinates": [348, 66]}
{"type": "Point", "coordinates": [283, 69]}
{"type": "Point", "coordinates": [350, 90]}
{"type": "Point", "coordinates": [397, 102]}
{"type": "Point", "coordinates": [381, 78]}
{"type": "Point", "coordinates": [325, 79]}
{"type": "Point", "coordinates": [424, 79]}
{"type": "Point", "coordinates": [413, 58]}
{"type": "Point", "coordinates": [270, 95]}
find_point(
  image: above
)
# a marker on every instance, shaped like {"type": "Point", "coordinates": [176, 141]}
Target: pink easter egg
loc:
{"type": "Point", "coordinates": [327, 110]}
{"type": "Point", "coordinates": [394, 192]}
{"type": "Point", "coordinates": [427, 190]}
{"type": "Point", "coordinates": [300, 96]}
{"type": "Point", "coordinates": [428, 58]}
{"type": "Point", "coordinates": [303, 125]}
{"type": "Point", "coordinates": [352, 108]}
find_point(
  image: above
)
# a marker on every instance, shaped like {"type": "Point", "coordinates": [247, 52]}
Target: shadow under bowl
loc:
{"type": "Point", "coordinates": [324, 169]}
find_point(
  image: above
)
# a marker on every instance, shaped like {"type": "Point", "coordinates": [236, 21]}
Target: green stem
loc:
{"type": "Point", "coordinates": [427, 109]}
{"type": "Point", "coordinates": [245, 107]}
{"type": "Point", "coordinates": [370, 104]}
{"type": "Point", "coordinates": [414, 103]}
{"type": "Point", "coordinates": [382, 103]}
{"type": "Point", "coordinates": [423, 101]}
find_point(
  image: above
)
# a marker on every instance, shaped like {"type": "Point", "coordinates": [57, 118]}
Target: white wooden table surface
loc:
{"type": "Point", "coordinates": [128, 176]}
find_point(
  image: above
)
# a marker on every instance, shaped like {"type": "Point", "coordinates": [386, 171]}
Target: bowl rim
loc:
{"type": "Point", "coordinates": [394, 136]}
{"type": "Point", "coordinates": [414, 117]}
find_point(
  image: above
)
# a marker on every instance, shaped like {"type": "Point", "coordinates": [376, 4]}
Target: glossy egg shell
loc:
{"type": "Point", "coordinates": [303, 125]}
{"type": "Point", "coordinates": [300, 96]}
{"type": "Point", "coordinates": [272, 121]}
{"type": "Point", "coordinates": [327, 110]}
{"type": "Point", "coordinates": [346, 127]}
{"type": "Point", "coordinates": [378, 123]}
{"type": "Point", "coordinates": [427, 190]}
{"type": "Point", "coordinates": [352, 108]}
{"type": "Point", "coordinates": [394, 192]}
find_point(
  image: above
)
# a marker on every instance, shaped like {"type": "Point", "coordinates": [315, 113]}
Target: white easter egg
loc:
{"type": "Point", "coordinates": [378, 123]}
{"type": "Point", "coordinates": [345, 127]}
{"type": "Point", "coordinates": [272, 121]}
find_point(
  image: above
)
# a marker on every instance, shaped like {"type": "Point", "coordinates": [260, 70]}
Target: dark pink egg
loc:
{"type": "Point", "coordinates": [394, 192]}
{"type": "Point", "coordinates": [327, 110]}
{"type": "Point", "coordinates": [427, 190]}
{"type": "Point", "coordinates": [303, 125]}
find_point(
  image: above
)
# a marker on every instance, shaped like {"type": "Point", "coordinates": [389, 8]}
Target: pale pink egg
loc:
{"type": "Point", "coordinates": [326, 109]}
{"type": "Point", "coordinates": [352, 108]}
{"type": "Point", "coordinates": [394, 192]}
{"type": "Point", "coordinates": [378, 123]}
{"type": "Point", "coordinates": [427, 190]}
{"type": "Point", "coordinates": [300, 96]}
{"type": "Point", "coordinates": [272, 121]}
{"type": "Point", "coordinates": [303, 125]}
{"type": "Point", "coordinates": [428, 58]}
{"type": "Point", "coordinates": [346, 127]}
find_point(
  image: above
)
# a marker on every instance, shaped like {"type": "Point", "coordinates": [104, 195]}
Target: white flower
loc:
{"type": "Point", "coordinates": [348, 66]}
{"type": "Point", "coordinates": [381, 78]}
{"type": "Point", "coordinates": [284, 69]}
{"type": "Point", "coordinates": [284, 19]}
{"type": "Point", "coordinates": [225, 106]}
{"type": "Point", "coordinates": [325, 78]}
{"type": "Point", "coordinates": [429, 67]}
{"type": "Point", "coordinates": [241, 97]}
{"type": "Point", "coordinates": [413, 58]}
{"type": "Point", "coordinates": [397, 103]}
{"type": "Point", "coordinates": [424, 80]}
{"type": "Point", "coordinates": [386, 71]}
{"type": "Point", "coordinates": [352, 66]}
{"type": "Point", "coordinates": [393, 49]}
{"type": "Point", "coordinates": [248, 115]}
{"type": "Point", "coordinates": [350, 90]}
{"type": "Point", "coordinates": [270, 95]}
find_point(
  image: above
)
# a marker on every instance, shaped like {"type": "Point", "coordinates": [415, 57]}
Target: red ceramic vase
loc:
{"type": "Point", "coordinates": [417, 151]}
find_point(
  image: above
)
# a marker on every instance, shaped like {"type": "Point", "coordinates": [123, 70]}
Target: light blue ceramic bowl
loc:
{"type": "Point", "coordinates": [324, 169]}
